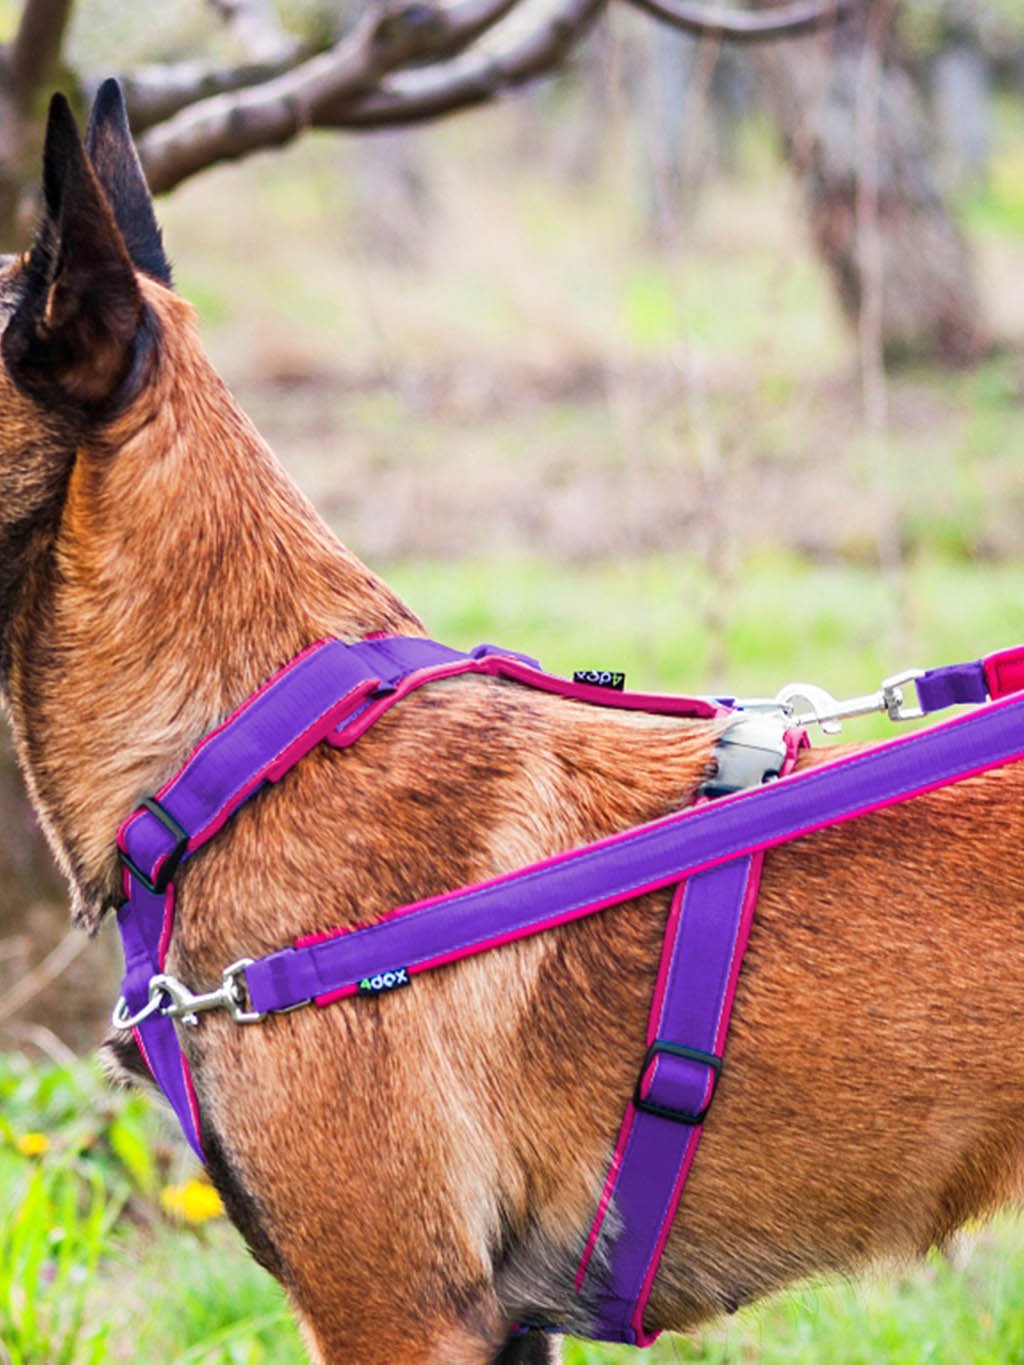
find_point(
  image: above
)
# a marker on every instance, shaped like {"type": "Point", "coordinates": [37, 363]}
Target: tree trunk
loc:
{"type": "Point", "coordinates": [930, 302]}
{"type": "Point", "coordinates": [961, 89]}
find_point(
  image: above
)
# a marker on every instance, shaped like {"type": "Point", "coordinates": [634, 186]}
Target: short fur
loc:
{"type": "Point", "coordinates": [419, 1170]}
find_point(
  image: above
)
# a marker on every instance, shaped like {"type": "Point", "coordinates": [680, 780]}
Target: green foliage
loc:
{"type": "Point", "coordinates": [926, 25]}
{"type": "Point", "coordinates": [215, 1306]}
{"type": "Point", "coordinates": [939, 1314]}
{"type": "Point", "coordinates": [53, 1233]}
{"type": "Point", "coordinates": [92, 1132]}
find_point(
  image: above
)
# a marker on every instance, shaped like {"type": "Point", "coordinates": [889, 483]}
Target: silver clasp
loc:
{"type": "Point", "coordinates": [172, 999]}
{"type": "Point", "coordinates": [825, 710]}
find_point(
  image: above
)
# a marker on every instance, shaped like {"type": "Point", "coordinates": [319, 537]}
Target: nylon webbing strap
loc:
{"type": "Point", "coordinates": [144, 921]}
{"type": "Point", "coordinates": [331, 691]}
{"type": "Point", "coordinates": [702, 952]}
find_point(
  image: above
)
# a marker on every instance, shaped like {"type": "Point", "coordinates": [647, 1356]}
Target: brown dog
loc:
{"type": "Point", "coordinates": [420, 1170]}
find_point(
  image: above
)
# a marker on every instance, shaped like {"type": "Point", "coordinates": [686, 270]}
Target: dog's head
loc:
{"type": "Point", "coordinates": [77, 335]}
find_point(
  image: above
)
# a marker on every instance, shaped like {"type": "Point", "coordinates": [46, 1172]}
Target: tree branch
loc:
{"type": "Point", "coordinates": [228, 126]}
{"type": "Point", "coordinates": [358, 82]}
{"type": "Point", "coordinates": [36, 46]}
{"type": "Point", "coordinates": [419, 95]}
{"type": "Point", "coordinates": [741, 26]}
{"type": "Point", "coordinates": [155, 93]}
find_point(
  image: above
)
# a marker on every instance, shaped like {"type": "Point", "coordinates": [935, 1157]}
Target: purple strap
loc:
{"type": "Point", "coordinates": [266, 737]}
{"type": "Point", "coordinates": [275, 727]}
{"type": "Point", "coordinates": [144, 921]}
{"type": "Point", "coordinates": [647, 858]}
{"type": "Point", "coordinates": [705, 939]}
{"type": "Point", "coordinates": [952, 686]}
{"type": "Point", "coordinates": [996, 675]}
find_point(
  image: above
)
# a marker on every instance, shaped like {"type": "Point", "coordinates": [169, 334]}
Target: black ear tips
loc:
{"type": "Point", "coordinates": [62, 147]}
{"type": "Point", "coordinates": [110, 148]}
{"type": "Point", "coordinates": [108, 108]}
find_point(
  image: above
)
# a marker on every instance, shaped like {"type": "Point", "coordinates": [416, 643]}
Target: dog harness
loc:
{"type": "Point", "coordinates": [710, 853]}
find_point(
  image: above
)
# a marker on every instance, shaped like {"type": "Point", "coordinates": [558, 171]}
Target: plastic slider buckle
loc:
{"type": "Point", "coordinates": [165, 873]}
{"type": "Point", "coordinates": [690, 1054]}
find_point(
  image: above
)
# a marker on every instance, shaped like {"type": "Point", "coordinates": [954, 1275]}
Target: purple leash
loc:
{"type": "Point", "coordinates": [711, 853]}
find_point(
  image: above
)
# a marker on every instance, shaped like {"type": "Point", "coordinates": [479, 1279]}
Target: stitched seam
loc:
{"type": "Point", "coordinates": [692, 1137]}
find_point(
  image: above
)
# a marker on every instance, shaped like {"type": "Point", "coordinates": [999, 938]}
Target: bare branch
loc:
{"type": "Point", "coordinates": [155, 93]}
{"type": "Point", "coordinates": [739, 26]}
{"type": "Point", "coordinates": [358, 82]}
{"type": "Point", "coordinates": [429, 92]}
{"type": "Point", "coordinates": [36, 47]}
{"type": "Point", "coordinates": [228, 126]}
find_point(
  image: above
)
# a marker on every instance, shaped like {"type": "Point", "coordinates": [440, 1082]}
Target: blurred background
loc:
{"type": "Point", "coordinates": [700, 358]}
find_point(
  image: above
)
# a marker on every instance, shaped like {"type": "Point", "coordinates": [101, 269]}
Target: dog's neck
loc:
{"type": "Point", "coordinates": [187, 568]}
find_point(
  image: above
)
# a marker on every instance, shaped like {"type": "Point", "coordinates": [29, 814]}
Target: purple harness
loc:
{"type": "Point", "coordinates": [711, 853]}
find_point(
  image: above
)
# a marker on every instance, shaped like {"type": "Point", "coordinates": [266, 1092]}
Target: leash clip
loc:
{"type": "Point", "coordinates": [829, 713]}
{"type": "Point", "coordinates": [892, 694]}
{"type": "Point", "coordinates": [172, 999]}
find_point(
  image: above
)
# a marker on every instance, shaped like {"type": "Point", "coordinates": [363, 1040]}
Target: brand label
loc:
{"type": "Point", "coordinates": [600, 677]}
{"type": "Point", "coordinates": [384, 981]}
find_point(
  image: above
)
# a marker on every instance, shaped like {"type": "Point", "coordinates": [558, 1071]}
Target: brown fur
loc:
{"type": "Point", "coordinates": [420, 1170]}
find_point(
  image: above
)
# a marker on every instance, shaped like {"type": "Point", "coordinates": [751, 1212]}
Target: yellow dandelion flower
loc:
{"type": "Point", "coordinates": [32, 1144]}
{"type": "Point", "coordinates": [193, 1202]}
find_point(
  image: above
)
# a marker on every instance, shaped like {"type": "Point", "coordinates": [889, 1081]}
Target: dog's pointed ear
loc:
{"type": "Point", "coordinates": [111, 150]}
{"type": "Point", "coordinates": [73, 332]}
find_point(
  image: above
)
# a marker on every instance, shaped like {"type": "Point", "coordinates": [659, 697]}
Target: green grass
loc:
{"type": "Point", "coordinates": [840, 625]}
{"type": "Point", "coordinates": [90, 1274]}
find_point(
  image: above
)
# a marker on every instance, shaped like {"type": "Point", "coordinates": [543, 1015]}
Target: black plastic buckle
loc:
{"type": "Point", "coordinates": [169, 866]}
{"type": "Point", "coordinates": [691, 1054]}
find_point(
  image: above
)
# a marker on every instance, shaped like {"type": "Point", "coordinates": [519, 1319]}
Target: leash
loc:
{"type": "Point", "coordinates": [711, 853]}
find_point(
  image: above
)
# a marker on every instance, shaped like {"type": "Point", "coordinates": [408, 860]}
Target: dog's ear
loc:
{"type": "Point", "coordinates": [72, 334]}
{"type": "Point", "coordinates": [111, 150]}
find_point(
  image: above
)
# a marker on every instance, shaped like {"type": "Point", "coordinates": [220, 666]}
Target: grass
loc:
{"type": "Point", "coordinates": [840, 625]}
{"type": "Point", "coordinates": [90, 1273]}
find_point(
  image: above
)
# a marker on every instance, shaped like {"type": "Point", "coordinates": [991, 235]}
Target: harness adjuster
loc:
{"type": "Point", "coordinates": [169, 865]}
{"type": "Point", "coordinates": [690, 1054]}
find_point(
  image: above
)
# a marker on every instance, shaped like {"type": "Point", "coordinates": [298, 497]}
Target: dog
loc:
{"type": "Point", "coordinates": [420, 1170]}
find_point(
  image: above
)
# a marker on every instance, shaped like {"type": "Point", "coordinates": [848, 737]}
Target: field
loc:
{"type": "Point", "coordinates": [549, 434]}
